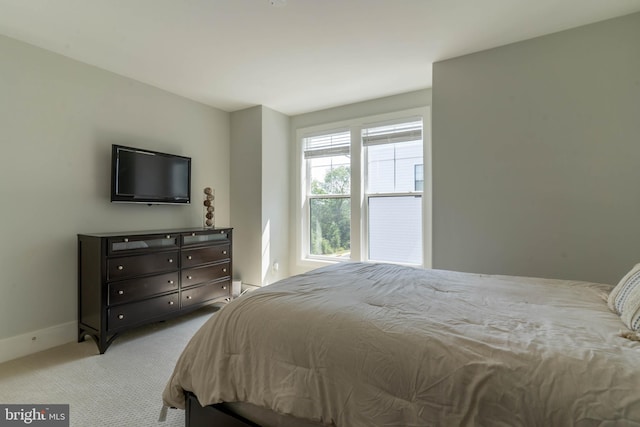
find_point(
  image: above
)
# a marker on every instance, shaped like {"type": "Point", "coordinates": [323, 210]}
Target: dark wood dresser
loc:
{"type": "Point", "coordinates": [126, 280]}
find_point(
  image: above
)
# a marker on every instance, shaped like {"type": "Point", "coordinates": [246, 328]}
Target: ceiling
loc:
{"type": "Point", "coordinates": [304, 55]}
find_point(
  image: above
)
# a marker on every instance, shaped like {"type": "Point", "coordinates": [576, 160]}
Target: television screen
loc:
{"type": "Point", "coordinates": [144, 176]}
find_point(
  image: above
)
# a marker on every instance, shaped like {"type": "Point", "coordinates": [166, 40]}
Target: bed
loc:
{"type": "Point", "coordinates": [366, 344]}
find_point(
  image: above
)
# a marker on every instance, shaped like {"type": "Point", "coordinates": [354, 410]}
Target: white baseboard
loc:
{"type": "Point", "coordinates": [248, 288]}
{"type": "Point", "coordinates": [33, 342]}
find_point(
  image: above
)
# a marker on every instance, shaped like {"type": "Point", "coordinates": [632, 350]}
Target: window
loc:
{"type": "Point", "coordinates": [363, 189]}
{"type": "Point", "coordinates": [328, 194]}
{"type": "Point", "coordinates": [418, 173]}
{"type": "Point", "coordinates": [394, 156]}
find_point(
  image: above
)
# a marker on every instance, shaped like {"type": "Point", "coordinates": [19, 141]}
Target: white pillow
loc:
{"type": "Point", "coordinates": [624, 299]}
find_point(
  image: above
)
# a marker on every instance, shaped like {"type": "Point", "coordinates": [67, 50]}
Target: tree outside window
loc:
{"type": "Point", "coordinates": [330, 217]}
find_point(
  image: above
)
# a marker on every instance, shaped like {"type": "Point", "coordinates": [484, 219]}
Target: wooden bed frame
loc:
{"type": "Point", "coordinates": [211, 416]}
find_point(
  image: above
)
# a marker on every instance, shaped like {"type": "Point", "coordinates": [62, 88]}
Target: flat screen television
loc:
{"type": "Point", "coordinates": [144, 176]}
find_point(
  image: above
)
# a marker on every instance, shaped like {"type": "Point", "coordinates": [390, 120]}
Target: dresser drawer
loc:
{"type": "Point", "coordinates": [135, 289]}
{"type": "Point", "coordinates": [193, 276]}
{"type": "Point", "coordinates": [205, 293]}
{"type": "Point", "coordinates": [139, 312]}
{"type": "Point", "coordinates": [193, 257]}
{"type": "Point", "coordinates": [132, 244]}
{"type": "Point", "coordinates": [199, 238]}
{"type": "Point", "coordinates": [127, 267]}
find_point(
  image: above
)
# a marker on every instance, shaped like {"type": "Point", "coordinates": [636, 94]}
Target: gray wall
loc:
{"type": "Point", "coordinates": [58, 119]}
{"type": "Point", "coordinates": [260, 198]}
{"type": "Point", "coordinates": [535, 156]}
{"type": "Point", "coordinates": [246, 194]}
{"type": "Point", "coordinates": [275, 195]}
{"type": "Point", "coordinates": [388, 104]}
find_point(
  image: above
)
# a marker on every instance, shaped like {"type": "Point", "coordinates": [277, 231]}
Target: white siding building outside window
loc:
{"type": "Point", "coordinates": [393, 192]}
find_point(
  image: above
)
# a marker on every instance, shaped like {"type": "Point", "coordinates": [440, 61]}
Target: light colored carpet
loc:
{"type": "Point", "coordinates": [122, 387]}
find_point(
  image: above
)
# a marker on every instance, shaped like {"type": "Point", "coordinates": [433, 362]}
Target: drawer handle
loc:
{"type": "Point", "coordinates": [170, 260]}
{"type": "Point", "coordinates": [188, 296]}
{"type": "Point", "coordinates": [121, 267]}
{"type": "Point", "coordinates": [171, 282]}
{"type": "Point", "coordinates": [125, 240]}
{"type": "Point", "coordinates": [189, 277]}
{"type": "Point", "coordinates": [120, 316]}
{"type": "Point", "coordinates": [193, 234]}
{"type": "Point", "coordinates": [224, 252]}
{"type": "Point", "coordinates": [189, 257]}
{"type": "Point", "coordinates": [222, 232]}
{"type": "Point", "coordinates": [224, 270]}
{"type": "Point", "coordinates": [168, 236]}
{"type": "Point", "coordinates": [170, 302]}
{"type": "Point", "coordinates": [224, 287]}
{"type": "Point", "coordinates": [120, 292]}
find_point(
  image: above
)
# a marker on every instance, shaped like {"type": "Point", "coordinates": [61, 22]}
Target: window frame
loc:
{"type": "Point", "coordinates": [366, 195]}
{"type": "Point", "coordinates": [359, 209]}
{"type": "Point", "coordinates": [304, 240]}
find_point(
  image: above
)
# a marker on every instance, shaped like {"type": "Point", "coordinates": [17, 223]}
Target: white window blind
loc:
{"type": "Point", "coordinates": [389, 134]}
{"type": "Point", "coordinates": [332, 144]}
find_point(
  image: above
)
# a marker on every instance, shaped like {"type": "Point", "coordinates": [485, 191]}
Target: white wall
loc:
{"type": "Point", "coordinates": [58, 119]}
{"type": "Point", "coordinates": [535, 156]}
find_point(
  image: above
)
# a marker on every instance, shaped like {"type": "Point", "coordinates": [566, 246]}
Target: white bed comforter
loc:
{"type": "Point", "coordinates": [384, 345]}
